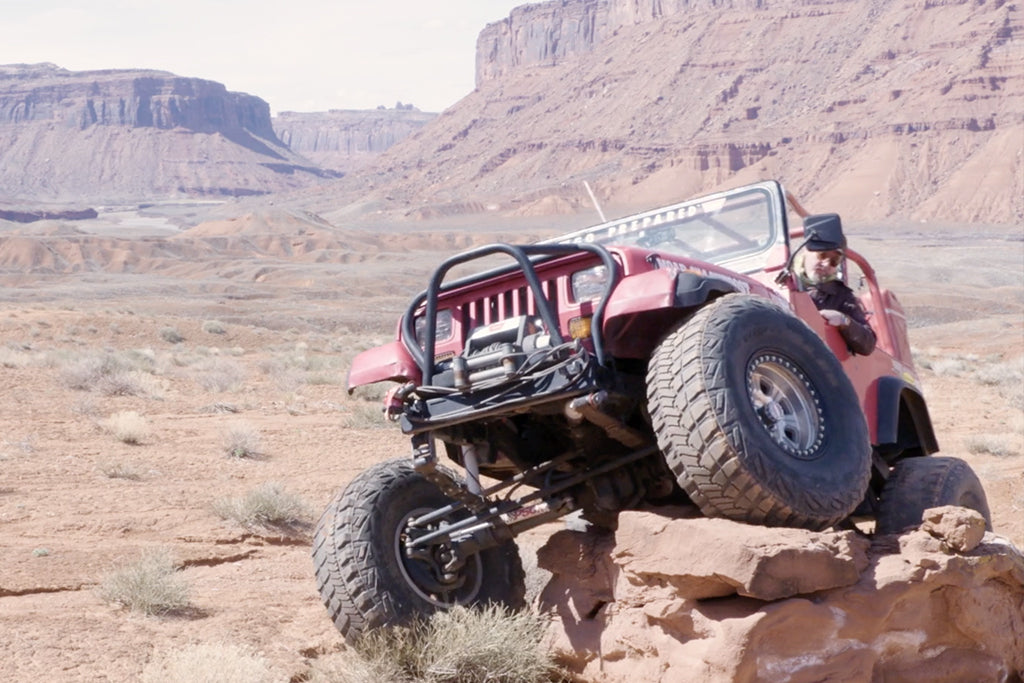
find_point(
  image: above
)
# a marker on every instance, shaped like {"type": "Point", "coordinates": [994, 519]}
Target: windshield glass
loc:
{"type": "Point", "coordinates": [735, 229]}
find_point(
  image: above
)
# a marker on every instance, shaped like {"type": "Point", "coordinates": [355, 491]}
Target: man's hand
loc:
{"type": "Point", "coordinates": [835, 318]}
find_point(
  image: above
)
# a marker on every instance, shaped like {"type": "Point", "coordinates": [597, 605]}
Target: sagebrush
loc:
{"type": "Point", "coordinates": [461, 645]}
{"type": "Point", "coordinates": [150, 585]}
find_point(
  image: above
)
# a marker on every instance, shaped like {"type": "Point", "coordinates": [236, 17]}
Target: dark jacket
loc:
{"type": "Point", "coordinates": [836, 295]}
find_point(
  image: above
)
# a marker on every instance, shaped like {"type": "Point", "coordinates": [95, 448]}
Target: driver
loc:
{"type": "Point", "coordinates": [836, 302]}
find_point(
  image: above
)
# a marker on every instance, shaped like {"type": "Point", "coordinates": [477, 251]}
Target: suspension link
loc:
{"type": "Point", "coordinates": [425, 462]}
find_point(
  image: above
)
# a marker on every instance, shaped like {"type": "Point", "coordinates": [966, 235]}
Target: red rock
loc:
{"type": "Point", "coordinates": [626, 608]}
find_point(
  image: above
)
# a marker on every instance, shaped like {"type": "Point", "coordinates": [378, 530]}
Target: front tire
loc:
{"type": "Point", "coordinates": [756, 417]}
{"type": "Point", "coordinates": [919, 483]}
{"type": "Point", "coordinates": [366, 580]}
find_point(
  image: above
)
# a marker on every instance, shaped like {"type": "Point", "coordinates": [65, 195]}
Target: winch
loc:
{"type": "Point", "coordinates": [497, 350]}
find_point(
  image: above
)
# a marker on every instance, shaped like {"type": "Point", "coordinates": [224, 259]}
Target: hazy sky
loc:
{"type": "Point", "coordinates": [298, 55]}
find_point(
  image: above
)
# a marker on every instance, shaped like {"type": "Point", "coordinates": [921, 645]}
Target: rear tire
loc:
{"type": "Point", "coordinates": [919, 483]}
{"type": "Point", "coordinates": [756, 417]}
{"type": "Point", "coordinates": [365, 579]}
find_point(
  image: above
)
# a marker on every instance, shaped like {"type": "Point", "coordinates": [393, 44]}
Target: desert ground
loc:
{"type": "Point", "coordinates": [205, 354]}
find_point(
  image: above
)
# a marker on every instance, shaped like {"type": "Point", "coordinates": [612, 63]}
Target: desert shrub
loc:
{"type": "Point", "coordinates": [949, 367]}
{"type": "Point", "coordinates": [374, 392]}
{"type": "Point", "coordinates": [321, 370]}
{"type": "Point", "coordinates": [219, 374]}
{"type": "Point", "coordinates": [111, 375]}
{"type": "Point", "coordinates": [461, 645]}
{"type": "Point", "coordinates": [1000, 372]}
{"type": "Point", "coordinates": [87, 372]}
{"type": "Point", "coordinates": [171, 335]}
{"type": "Point", "coordinates": [323, 379]}
{"type": "Point", "coordinates": [993, 444]}
{"type": "Point", "coordinates": [284, 376]}
{"type": "Point", "coordinates": [120, 470]}
{"type": "Point", "coordinates": [127, 427]}
{"type": "Point", "coordinates": [363, 415]}
{"type": "Point", "coordinates": [209, 662]}
{"type": "Point", "coordinates": [268, 506]}
{"type": "Point", "coordinates": [220, 407]}
{"type": "Point", "coordinates": [242, 440]}
{"type": "Point", "coordinates": [293, 370]}
{"type": "Point", "coordinates": [14, 358]}
{"type": "Point", "coordinates": [214, 327]}
{"type": "Point", "coordinates": [150, 585]}
{"type": "Point", "coordinates": [321, 363]}
{"type": "Point", "coordinates": [86, 406]}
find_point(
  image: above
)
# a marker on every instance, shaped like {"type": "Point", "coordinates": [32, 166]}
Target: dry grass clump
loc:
{"type": "Point", "coordinates": [992, 444]}
{"type": "Point", "coordinates": [14, 358]}
{"type": "Point", "coordinates": [268, 506]}
{"type": "Point", "coordinates": [284, 376]}
{"type": "Point", "coordinates": [242, 440]}
{"type": "Point", "coordinates": [294, 369]}
{"type": "Point", "coordinates": [220, 663]}
{"type": "Point", "coordinates": [364, 415]}
{"type": "Point", "coordinates": [121, 470]}
{"type": "Point", "coordinates": [128, 427]}
{"type": "Point", "coordinates": [1004, 375]}
{"type": "Point", "coordinates": [219, 374]}
{"type": "Point", "coordinates": [461, 645]}
{"type": "Point", "coordinates": [214, 327]}
{"type": "Point", "coordinates": [112, 374]}
{"type": "Point", "coordinates": [220, 407]}
{"type": "Point", "coordinates": [171, 335]}
{"type": "Point", "coordinates": [150, 585]}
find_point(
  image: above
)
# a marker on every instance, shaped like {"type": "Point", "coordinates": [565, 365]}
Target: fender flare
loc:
{"type": "Point", "coordinates": [644, 307]}
{"type": "Point", "coordinates": [693, 289]}
{"type": "Point", "coordinates": [901, 408]}
{"type": "Point", "coordinates": [661, 289]}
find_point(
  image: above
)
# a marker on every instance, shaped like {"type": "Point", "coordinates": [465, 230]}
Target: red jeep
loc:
{"type": "Point", "coordinates": [672, 356]}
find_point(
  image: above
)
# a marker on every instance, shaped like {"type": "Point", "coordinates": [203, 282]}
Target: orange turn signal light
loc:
{"type": "Point", "coordinates": [579, 327]}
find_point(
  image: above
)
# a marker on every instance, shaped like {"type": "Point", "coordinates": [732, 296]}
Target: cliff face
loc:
{"type": "Point", "coordinates": [136, 99]}
{"type": "Point", "coordinates": [543, 34]}
{"type": "Point", "coordinates": [114, 135]}
{"type": "Point", "coordinates": [345, 140]}
{"type": "Point", "coordinates": [910, 111]}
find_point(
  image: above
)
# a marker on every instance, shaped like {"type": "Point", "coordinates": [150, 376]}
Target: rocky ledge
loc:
{"type": "Point", "coordinates": [675, 599]}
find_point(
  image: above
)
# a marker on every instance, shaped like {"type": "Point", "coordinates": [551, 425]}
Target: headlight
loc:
{"type": "Point", "coordinates": [443, 329]}
{"type": "Point", "coordinates": [589, 284]}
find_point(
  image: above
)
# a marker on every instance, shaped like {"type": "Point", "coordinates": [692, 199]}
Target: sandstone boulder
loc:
{"type": "Point", "coordinates": [713, 600]}
{"type": "Point", "coordinates": [958, 528]}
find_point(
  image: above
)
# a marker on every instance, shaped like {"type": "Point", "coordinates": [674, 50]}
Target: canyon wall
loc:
{"type": "Point", "coordinates": [544, 33]}
{"type": "Point", "coordinates": [123, 135]}
{"type": "Point", "coordinates": [880, 111]}
{"type": "Point", "coordinates": [345, 140]}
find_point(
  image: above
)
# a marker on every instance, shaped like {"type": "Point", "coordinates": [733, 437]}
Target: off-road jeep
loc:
{"type": "Point", "coordinates": [672, 356]}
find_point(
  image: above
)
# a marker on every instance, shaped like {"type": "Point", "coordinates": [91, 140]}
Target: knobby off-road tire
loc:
{"type": "Point", "coordinates": [756, 417]}
{"type": "Point", "coordinates": [917, 484]}
{"type": "Point", "coordinates": [364, 577]}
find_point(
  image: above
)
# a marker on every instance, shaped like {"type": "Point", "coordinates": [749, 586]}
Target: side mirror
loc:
{"type": "Point", "coordinates": [824, 232]}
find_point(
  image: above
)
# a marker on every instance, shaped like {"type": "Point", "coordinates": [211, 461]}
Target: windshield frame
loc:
{"type": "Point", "coordinates": [724, 217]}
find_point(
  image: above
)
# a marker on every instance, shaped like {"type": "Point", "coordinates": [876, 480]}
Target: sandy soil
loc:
{"type": "Point", "coordinates": [279, 368]}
